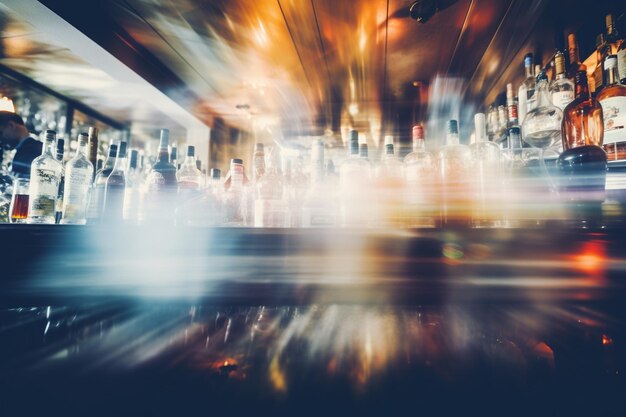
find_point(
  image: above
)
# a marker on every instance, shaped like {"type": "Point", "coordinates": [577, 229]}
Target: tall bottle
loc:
{"type": "Point", "coordinates": [421, 182]}
{"type": "Point", "coordinates": [174, 156]}
{"type": "Point", "coordinates": [161, 185]}
{"type": "Point", "coordinates": [582, 166]}
{"type": "Point", "coordinates": [455, 171]}
{"type": "Point", "coordinates": [132, 192]}
{"type": "Point", "coordinates": [512, 107]}
{"type": "Point", "coordinates": [526, 91]}
{"type": "Point", "coordinates": [561, 88]}
{"type": "Point", "coordinates": [59, 203]}
{"type": "Point", "coordinates": [487, 176]}
{"type": "Point", "coordinates": [258, 162]}
{"type": "Point", "coordinates": [234, 209]}
{"type": "Point", "coordinates": [574, 65]}
{"type": "Point", "coordinates": [97, 195]}
{"type": "Point", "coordinates": [319, 209]}
{"type": "Point", "coordinates": [389, 189]}
{"type": "Point", "coordinates": [621, 62]}
{"type": "Point", "coordinates": [114, 189]}
{"type": "Point", "coordinates": [270, 208]}
{"type": "Point", "coordinates": [78, 180]}
{"type": "Point", "coordinates": [542, 125]}
{"type": "Point", "coordinates": [189, 177]}
{"type": "Point", "coordinates": [354, 176]}
{"type": "Point", "coordinates": [612, 98]}
{"type": "Point", "coordinates": [45, 175]}
{"type": "Point", "coordinates": [92, 154]}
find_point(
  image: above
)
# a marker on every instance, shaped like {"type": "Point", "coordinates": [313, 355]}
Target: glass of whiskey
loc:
{"type": "Point", "coordinates": [19, 200]}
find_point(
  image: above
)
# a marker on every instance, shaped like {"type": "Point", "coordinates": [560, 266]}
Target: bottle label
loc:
{"type": "Point", "coordinates": [597, 78]}
{"type": "Point", "coordinates": [42, 205]}
{"type": "Point", "coordinates": [562, 98]}
{"type": "Point", "coordinates": [621, 64]}
{"type": "Point", "coordinates": [614, 111]}
{"type": "Point", "coordinates": [512, 113]}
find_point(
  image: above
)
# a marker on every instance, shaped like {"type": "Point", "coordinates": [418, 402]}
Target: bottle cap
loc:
{"type": "Point", "coordinates": [542, 76]}
{"type": "Point", "coordinates": [236, 161]}
{"type": "Point", "coordinates": [528, 60]}
{"type": "Point", "coordinates": [93, 131]}
{"type": "Point", "coordinates": [191, 150]}
{"type": "Point", "coordinates": [83, 138]}
{"type": "Point", "coordinates": [452, 127]}
{"type": "Point", "coordinates": [609, 22]}
{"type": "Point", "coordinates": [559, 63]}
{"type": "Point", "coordinates": [121, 153]}
{"type": "Point", "coordinates": [112, 151]}
{"type": "Point", "coordinates": [354, 135]}
{"type": "Point", "coordinates": [418, 132]}
{"type": "Point", "coordinates": [480, 126]}
{"type": "Point", "coordinates": [216, 173]}
{"type": "Point", "coordinates": [174, 154]}
{"type": "Point", "coordinates": [61, 145]}
{"type": "Point", "coordinates": [509, 92]}
{"type": "Point", "coordinates": [389, 149]}
{"type": "Point", "coordinates": [258, 147]}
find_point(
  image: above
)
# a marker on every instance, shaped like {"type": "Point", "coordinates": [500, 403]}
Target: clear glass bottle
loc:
{"type": "Point", "coordinates": [612, 98]}
{"type": "Point", "coordinates": [389, 189]}
{"type": "Point", "coordinates": [234, 195]}
{"type": "Point", "coordinates": [455, 173]}
{"type": "Point", "coordinates": [486, 166]}
{"type": "Point", "coordinates": [92, 153]}
{"type": "Point", "coordinates": [114, 189]}
{"type": "Point", "coordinates": [526, 91]}
{"type": "Point", "coordinates": [542, 125]}
{"type": "Point", "coordinates": [78, 177]}
{"type": "Point", "coordinates": [45, 175]}
{"type": "Point", "coordinates": [390, 166]}
{"type": "Point", "coordinates": [420, 173]}
{"type": "Point", "coordinates": [132, 192]}
{"type": "Point", "coordinates": [96, 201]}
{"type": "Point", "coordinates": [161, 186]}
{"type": "Point", "coordinates": [206, 208]}
{"type": "Point", "coordinates": [189, 177]}
{"type": "Point", "coordinates": [258, 162]}
{"type": "Point", "coordinates": [561, 88]}
{"type": "Point", "coordinates": [355, 176]}
{"type": "Point", "coordinates": [59, 203]}
{"type": "Point", "coordinates": [319, 209]}
{"type": "Point", "coordinates": [270, 205]}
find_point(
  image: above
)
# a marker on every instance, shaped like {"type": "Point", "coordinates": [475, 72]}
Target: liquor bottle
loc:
{"type": "Point", "coordinates": [92, 154]}
{"type": "Point", "coordinates": [234, 195]}
{"type": "Point", "coordinates": [561, 88]}
{"type": "Point", "coordinates": [364, 151]}
{"type": "Point", "coordinates": [206, 208]}
{"type": "Point", "coordinates": [59, 202]}
{"type": "Point", "coordinates": [454, 165]}
{"type": "Point", "coordinates": [258, 162]}
{"type": "Point", "coordinates": [354, 178]}
{"type": "Point", "coordinates": [511, 104]}
{"type": "Point", "coordinates": [574, 65]}
{"type": "Point", "coordinates": [621, 62]}
{"type": "Point", "coordinates": [189, 177]}
{"type": "Point", "coordinates": [526, 91]}
{"type": "Point", "coordinates": [582, 166]}
{"type": "Point", "coordinates": [174, 156]}
{"type": "Point", "coordinates": [603, 49]}
{"type": "Point", "coordinates": [542, 125]}
{"type": "Point", "coordinates": [486, 167]}
{"type": "Point", "coordinates": [319, 209]}
{"type": "Point", "coordinates": [98, 189]}
{"type": "Point", "coordinates": [78, 180]}
{"type": "Point", "coordinates": [114, 189]}
{"type": "Point", "coordinates": [420, 173]}
{"type": "Point", "coordinates": [611, 36]}
{"type": "Point", "coordinates": [270, 206]}
{"type": "Point", "coordinates": [161, 186]}
{"type": "Point", "coordinates": [613, 100]}
{"type": "Point", "coordinates": [389, 189]}
{"type": "Point", "coordinates": [45, 175]}
{"type": "Point", "coordinates": [132, 192]}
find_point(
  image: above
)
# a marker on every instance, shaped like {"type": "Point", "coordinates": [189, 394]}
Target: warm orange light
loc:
{"type": "Point", "coordinates": [606, 340]}
{"type": "Point", "coordinates": [6, 104]}
{"type": "Point", "coordinates": [592, 257]}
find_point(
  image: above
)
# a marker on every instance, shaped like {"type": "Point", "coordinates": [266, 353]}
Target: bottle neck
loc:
{"type": "Point", "coordinates": [82, 149]}
{"type": "Point", "coordinates": [543, 96]}
{"type": "Point", "coordinates": [236, 176]}
{"type": "Point", "coordinates": [452, 139]}
{"type": "Point", "coordinates": [164, 155]}
{"type": "Point", "coordinates": [49, 148]}
{"type": "Point", "coordinates": [120, 164]}
{"type": "Point", "coordinates": [582, 89]}
{"type": "Point", "coordinates": [419, 144]}
{"type": "Point", "coordinates": [529, 71]}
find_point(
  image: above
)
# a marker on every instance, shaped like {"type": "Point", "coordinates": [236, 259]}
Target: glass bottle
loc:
{"type": "Point", "coordinates": [583, 122]}
{"type": "Point", "coordinates": [511, 104]}
{"type": "Point", "coordinates": [574, 65]}
{"type": "Point", "coordinates": [92, 154]}
{"type": "Point", "coordinates": [319, 209]}
{"type": "Point", "coordinates": [78, 175]}
{"type": "Point", "coordinates": [234, 195]}
{"type": "Point", "coordinates": [97, 191]}
{"type": "Point", "coordinates": [542, 125]}
{"type": "Point", "coordinates": [354, 176]}
{"type": "Point", "coordinates": [454, 170]}
{"type": "Point", "coordinates": [603, 49]}
{"type": "Point", "coordinates": [114, 189]}
{"type": "Point", "coordinates": [132, 192]}
{"type": "Point", "coordinates": [161, 186]}
{"type": "Point", "coordinates": [389, 189]}
{"type": "Point", "coordinates": [174, 156]}
{"type": "Point", "coordinates": [189, 177]}
{"type": "Point", "coordinates": [621, 62]}
{"type": "Point", "coordinates": [258, 162]}
{"type": "Point", "coordinates": [561, 88]}
{"type": "Point", "coordinates": [526, 91]}
{"type": "Point", "coordinates": [59, 203]}
{"type": "Point", "coordinates": [270, 205]}
{"type": "Point", "coordinates": [486, 168]}
{"type": "Point", "coordinates": [612, 98]}
{"type": "Point", "coordinates": [420, 173]}
{"type": "Point", "coordinates": [45, 175]}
